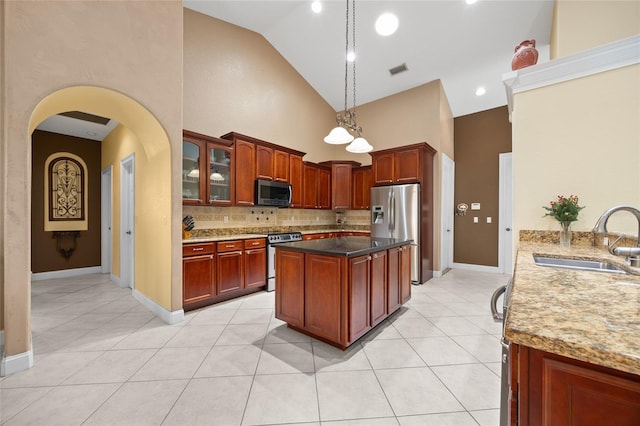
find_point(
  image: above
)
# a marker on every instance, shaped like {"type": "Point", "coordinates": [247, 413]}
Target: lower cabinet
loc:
{"type": "Point", "coordinates": [399, 276]}
{"type": "Point", "coordinates": [215, 272]}
{"type": "Point", "coordinates": [550, 389]}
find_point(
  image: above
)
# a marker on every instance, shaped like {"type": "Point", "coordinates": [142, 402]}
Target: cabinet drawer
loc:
{"type": "Point", "coordinates": [229, 246]}
{"type": "Point", "coordinates": [197, 249]}
{"type": "Point", "coordinates": [255, 243]}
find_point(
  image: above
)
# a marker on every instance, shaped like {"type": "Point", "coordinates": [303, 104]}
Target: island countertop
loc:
{"type": "Point", "coordinates": [589, 316]}
{"type": "Point", "coordinates": [344, 246]}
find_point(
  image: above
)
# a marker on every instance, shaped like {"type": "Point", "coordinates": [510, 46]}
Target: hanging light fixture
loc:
{"type": "Point", "coordinates": [347, 121]}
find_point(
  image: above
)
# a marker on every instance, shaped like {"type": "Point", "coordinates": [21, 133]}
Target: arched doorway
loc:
{"type": "Point", "coordinates": [141, 134]}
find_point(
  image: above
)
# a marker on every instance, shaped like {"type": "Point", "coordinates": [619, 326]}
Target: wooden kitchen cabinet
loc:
{"type": "Point", "coordinates": [318, 236]}
{"type": "Point", "coordinates": [361, 189]}
{"type": "Point", "coordinates": [295, 179]}
{"type": "Point", "coordinates": [198, 274]}
{"type": "Point", "coordinates": [207, 170]}
{"type": "Point", "coordinates": [359, 296]}
{"type": "Point", "coordinates": [290, 291]}
{"type": "Point", "coordinates": [264, 162]}
{"type": "Point", "coordinates": [255, 262]}
{"type": "Point", "coordinates": [341, 183]}
{"type": "Point", "coordinates": [281, 166]}
{"type": "Point", "coordinates": [399, 277]}
{"type": "Point", "coordinates": [323, 296]}
{"type": "Point", "coordinates": [400, 165]}
{"type": "Point", "coordinates": [230, 266]}
{"type": "Point", "coordinates": [378, 287]}
{"type": "Point", "coordinates": [317, 186]}
{"type": "Point", "coordinates": [550, 389]}
{"type": "Point", "coordinates": [245, 174]}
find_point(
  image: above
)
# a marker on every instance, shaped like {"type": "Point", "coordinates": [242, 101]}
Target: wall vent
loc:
{"type": "Point", "coordinates": [398, 69]}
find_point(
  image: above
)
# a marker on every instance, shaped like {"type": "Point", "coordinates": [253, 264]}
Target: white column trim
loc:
{"type": "Point", "coordinates": [170, 317]}
{"type": "Point", "coordinates": [16, 363]}
{"type": "Point", "coordinates": [607, 57]}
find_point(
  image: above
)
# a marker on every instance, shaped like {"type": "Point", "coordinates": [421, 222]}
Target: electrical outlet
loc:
{"type": "Point", "coordinates": [475, 219]}
{"type": "Point", "coordinates": [488, 219]}
{"type": "Point", "coordinates": [225, 219]}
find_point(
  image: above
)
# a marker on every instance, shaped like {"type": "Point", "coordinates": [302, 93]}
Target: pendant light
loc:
{"type": "Point", "coordinates": [347, 121]}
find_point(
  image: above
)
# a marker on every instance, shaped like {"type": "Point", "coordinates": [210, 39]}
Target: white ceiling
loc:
{"type": "Point", "coordinates": [465, 46]}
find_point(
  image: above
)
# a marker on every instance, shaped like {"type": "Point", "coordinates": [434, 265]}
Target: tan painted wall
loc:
{"type": "Point", "coordinates": [3, 143]}
{"type": "Point", "coordinates": [133, 48]}
{"type": "Point", "coordinates": [580, 25]}
{"type": "Point", "coordinates": [581, 137]}
{"type": "Point", "coordinates": [234, 80]}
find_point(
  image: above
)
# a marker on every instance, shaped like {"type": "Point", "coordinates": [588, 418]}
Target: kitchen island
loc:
{"type": "Point", "coordinates": [575, 340]}
{"type": "Point", "coordinates": [337, 289]}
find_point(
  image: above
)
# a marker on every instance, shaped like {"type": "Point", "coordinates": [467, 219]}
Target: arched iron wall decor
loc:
{"type": "Point", "coordinates": [66, 198]}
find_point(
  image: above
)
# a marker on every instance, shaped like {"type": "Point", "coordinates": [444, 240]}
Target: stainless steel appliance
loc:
{"type": "Point", "coordinates": [498, 316]}
{"type": "Point", "coordinates": [395, 213]}
{"type": "Point", "coordinates": [270, 193]}
{"type": "Point", "coordinates": [272, 240]}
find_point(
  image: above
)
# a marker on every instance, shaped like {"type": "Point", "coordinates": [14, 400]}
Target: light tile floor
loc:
{"type": "Point", "coordinates": [102, 358]}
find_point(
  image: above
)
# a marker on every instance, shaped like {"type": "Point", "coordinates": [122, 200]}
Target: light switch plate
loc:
{"type": "Point", "coordinates": [475, 206]}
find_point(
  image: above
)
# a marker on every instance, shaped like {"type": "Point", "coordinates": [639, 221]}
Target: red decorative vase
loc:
{"type": "Point", "coordinates": [525, 55]}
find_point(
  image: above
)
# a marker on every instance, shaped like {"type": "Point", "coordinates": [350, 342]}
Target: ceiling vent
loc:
{"type": "Point", "coordinates": [398, 69]}
{"type": "Point", "coordinates": [85, 116]}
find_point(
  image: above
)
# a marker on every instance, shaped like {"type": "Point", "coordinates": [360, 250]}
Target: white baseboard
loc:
{"type": "Point", "coordinates": [116, 280]}
{"type": "Point", "coordinates": [1, 341]}
{"type": "Point", "coordinates": [170, 317]}
{"type": "Point", "coordinates": [15, 363]}
{"type": "Point", "coordinates": [479, 268]}
{"type": "Point", "coordinates": [65, 273]}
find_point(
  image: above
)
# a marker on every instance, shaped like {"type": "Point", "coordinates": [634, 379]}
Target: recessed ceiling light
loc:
{"type": "Point", "coordinates": [470, 1]}
{"type": "Point", "coordinates": [316, 6]}
{"type": "Point", "coordinates": [386, 24]}
{"type": "Point", "coordinates": [480, 91]}
{"type": "Point", "coordinates": [351, 56]}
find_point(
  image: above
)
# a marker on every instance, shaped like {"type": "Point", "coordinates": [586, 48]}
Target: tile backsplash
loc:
{"type": "Point", "coordinates": [269, 219]}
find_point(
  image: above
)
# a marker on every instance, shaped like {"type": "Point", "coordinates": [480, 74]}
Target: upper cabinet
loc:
{"type": "Point", "coordinates": [400, 165]}
{"type": "Point", "coordinates": [281, 166]}
{"type": "Point", "coordinates": [341, 176]}
{"type": "Point", "coordinates": [264, 162]}
{"type": "Point", "coordinates": [295, 179]}
{"type": "Point", "coordinates": [361, 188]}
{"type": "Point", "coordinates": [317, 186]}
{"type": "Point", "coordinates": [207, 170]}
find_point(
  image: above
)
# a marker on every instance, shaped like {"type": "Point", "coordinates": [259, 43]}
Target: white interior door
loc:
{"type": "Point", "coordinates": [106, 238]}
{"type": "Point", "coordinates": [127, 228]}
{"type": "Point", "coordinates": [505, 218]}
{"type": "Point", "coordinates": [448, 180]}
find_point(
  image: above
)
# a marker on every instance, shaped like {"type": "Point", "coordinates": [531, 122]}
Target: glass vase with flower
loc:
{"type": "Point", "coordinates": [565, 210]}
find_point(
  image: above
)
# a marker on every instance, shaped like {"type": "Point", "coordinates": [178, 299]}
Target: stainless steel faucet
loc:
{"type": "Point", "coordinates": [632, 253]}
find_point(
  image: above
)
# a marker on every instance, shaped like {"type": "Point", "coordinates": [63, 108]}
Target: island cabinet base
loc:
{"type": "Point", "coordinates": [549, 389]}
{"type": "Point", "coordinates": [338, 299]}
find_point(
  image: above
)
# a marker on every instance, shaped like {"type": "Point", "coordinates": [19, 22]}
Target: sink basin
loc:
{"type": "Point", "coordinates": [584, 265]}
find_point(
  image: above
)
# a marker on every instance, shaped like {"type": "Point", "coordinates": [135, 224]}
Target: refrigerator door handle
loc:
{"type": "Point", "coordinates": [390, 212]}
{"type": "Point", "coordinates": [393, 213]}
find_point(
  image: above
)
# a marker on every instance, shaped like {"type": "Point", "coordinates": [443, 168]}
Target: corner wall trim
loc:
{"type": "Point", "coordinates": [16, 363]}
{"type": "Point", "coordinates": [607, 57]}
{"type": "Point", "coordinates": [170, 317]}
{"type": "Point", "coordinates": [65, 273]}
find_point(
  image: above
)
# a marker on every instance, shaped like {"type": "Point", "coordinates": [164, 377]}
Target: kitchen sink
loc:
{"type": "Point", "coordinates": [584, 265]}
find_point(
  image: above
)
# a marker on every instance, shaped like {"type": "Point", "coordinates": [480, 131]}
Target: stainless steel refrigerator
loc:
{"type": "Point", "coordinates": [395, 213]}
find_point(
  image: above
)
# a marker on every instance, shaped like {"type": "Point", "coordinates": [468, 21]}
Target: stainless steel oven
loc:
{"type": "Point", "coordinates": [500, 316]}
{"type": "Point", "coordinates": [272, 240]}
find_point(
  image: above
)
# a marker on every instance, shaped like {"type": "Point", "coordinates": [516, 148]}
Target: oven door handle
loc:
{"type": "Point", "coordinates": [497, 316]}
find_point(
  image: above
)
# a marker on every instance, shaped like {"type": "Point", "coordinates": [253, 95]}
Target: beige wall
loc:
{"type": "Point", "coordinates": [134, 48]}
{"type": "Point", "coordinates": [581, 137]}
{"type": "Point", "coordinates": [234, 80]}
{"type": "Point", "coordinates": [580, 25]}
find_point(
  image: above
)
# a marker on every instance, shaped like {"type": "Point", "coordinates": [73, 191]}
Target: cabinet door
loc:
{"type": "Point", "coordinates": [245, 176]}
{"type": "Point", "coordinates": [359, 297]}
{"type": "Point", "coordinates": [281, 166]}
{"type": "Point", "coordinates": [193, 158]}
{"type": "Point", "coordinates": [341, 186]}
{"type": "Point", "coordinates": [405, 274]}
{"type": "Point", "coordinates": [230, 271]}
{"type": "Point", "coordinates": [382, 168]}
{"type": "Point", "coordinates": [361, 188]}
{"type": "Point", "coordinates": [324, 189]}
{"type": "Point", "coordinates": [255, 267]}
{"type": "Point", "coordinates": [295, 178]}
{"type": "Point", "coordinates": [290, 287]}
{"type": "Point", "coordinates": [264, 163]}
{"type": "Point", "coordinates": [322, 294]}
{"type": "Point", "coordinates": [378, 288]}
{"type": "Point", "coordinates": [310, 181]}
{"type": "Point", "coordinates": [393, 283]}
{"type": "Point", "coordinates": [198, 279]}
{"type": "Point", "coordinates": [366, 183]}
{"type": "Point", "coordinates": [220, 175]}
{"type": "Point", "coordinates": [407, 167]}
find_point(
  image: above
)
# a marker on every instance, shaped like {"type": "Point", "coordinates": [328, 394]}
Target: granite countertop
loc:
{"type": "Point", "coordinates": [589, 316]}
{"type": "Point", "coordinates": [214, 238]}
{"type": "Point", "coordinates": [344, 246]}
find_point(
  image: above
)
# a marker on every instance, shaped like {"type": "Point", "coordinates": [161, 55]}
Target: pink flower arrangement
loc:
{"type": "Point", "coordinates": [565, 209]}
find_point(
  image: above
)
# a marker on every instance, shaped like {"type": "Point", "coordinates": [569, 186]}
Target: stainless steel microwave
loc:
{"type": "Point", "coordinates": [270, 193]}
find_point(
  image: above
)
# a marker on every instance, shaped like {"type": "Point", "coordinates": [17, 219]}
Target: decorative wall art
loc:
{"type": "Point", "coordinates": [65, 193]}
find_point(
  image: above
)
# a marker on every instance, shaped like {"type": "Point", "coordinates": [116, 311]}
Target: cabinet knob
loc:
{"type": "Point", "coordinates": [368, 257]}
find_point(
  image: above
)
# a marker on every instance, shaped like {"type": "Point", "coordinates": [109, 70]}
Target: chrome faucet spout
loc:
{"type": "Point", "coordinates": [601, 224]}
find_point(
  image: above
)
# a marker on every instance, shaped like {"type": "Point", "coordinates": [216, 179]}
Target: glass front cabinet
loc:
{"type": "Point", "coordinates": [207, 170]}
